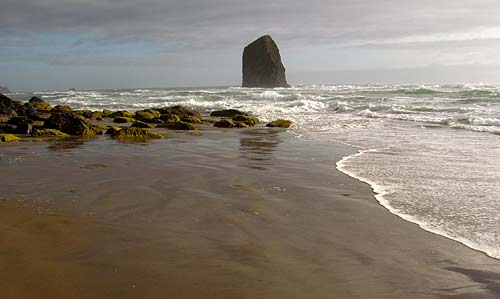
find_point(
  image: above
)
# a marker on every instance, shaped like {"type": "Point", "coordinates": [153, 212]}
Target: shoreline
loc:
{"type": "Point", "coordinates": [234, 214]}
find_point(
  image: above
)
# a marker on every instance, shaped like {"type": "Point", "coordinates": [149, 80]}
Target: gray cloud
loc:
{"type": "Point", "coordinates": [218, 23]}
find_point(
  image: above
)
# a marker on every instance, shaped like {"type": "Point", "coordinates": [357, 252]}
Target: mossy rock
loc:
{"type": "Point", "coordinates": [280, 123]}
{"type": "Point", "coordinates": [170, 117]}
{"type": "Point", "coordinates": [122, 114]}
{"type": "Point", "coordinates": [191, 119]}
{"type": "Point", "coordinates": [140, 124]}
{"type": "Point", "coordinates": [37, 123]}
{"type": "Point", "coordinates": [112, 129]}
{"type": "Point", "coordinates": [39, 104]}
{"type": "Point", "coordinates": [227, 113]}
{"type": "Point", "coordinates": [61, 109]}
{"type": "Point", "coordinates": [135, 134]}
{"type": "Point", "coordinates": [178, 125]}
{"type": "Point", "coordinates": [106, 113]}
{"type": "Point", "coordinates": [69, 123]}
{"type": "Point", "coordinates": [147, 115]}
{"type": "Point", "coordinates": [240, 124]}
{"type": "Point", "coordinates": [246, 119]}
{"type": "Point", "coordinates": [48, 133]}
{"type": "Point", "coordinates": [84, 113]}
{"type": "Point", "coordinates": [180, 111]}
{"type": "Point", "coordinates": [89, 132]}
{"type": "Point", "coordinates": [225, 123]}
{"type": "Point", "coordinates": [97, 115]}
{"type": "Point", "coordinates": [9, 138]}
{"type": "Point", "coordinates": [100, 129]}
{"type": "Point", "coordinates": [123, 119]}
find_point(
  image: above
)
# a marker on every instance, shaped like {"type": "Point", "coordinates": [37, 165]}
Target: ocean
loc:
{"type": "Point", "coordinates": [431, 153]}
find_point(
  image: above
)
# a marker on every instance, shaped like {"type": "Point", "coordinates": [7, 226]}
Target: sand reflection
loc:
{"type": "Point", "coordinates": [257, 147]}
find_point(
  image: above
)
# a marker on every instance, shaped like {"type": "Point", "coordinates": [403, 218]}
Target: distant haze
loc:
{"type": "Point", "coordinates": [91, 44]}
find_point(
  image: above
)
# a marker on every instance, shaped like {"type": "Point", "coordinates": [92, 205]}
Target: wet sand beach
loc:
{"type": "Point", "coordinates": [250, 213]}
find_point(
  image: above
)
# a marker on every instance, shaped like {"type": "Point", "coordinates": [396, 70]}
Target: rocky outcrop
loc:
{"type": "Point", "coordinates": [227, 113]}
{"type": "Point", "coordinates": [69, 123]}
{"type": "Point", "coordinates": [262, 66]}
{"type": "Point", "coordinates": [39, 104]}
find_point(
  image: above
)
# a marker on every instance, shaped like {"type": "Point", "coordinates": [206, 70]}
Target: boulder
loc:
{"type": "Point", "coordinates": [8, 107]}
{"type": "Point", "coordinates": [8, 138]}
{"type": "Point", "coordinates": [135, 134]}
{"type": "Point", "coordinates": [246, 119]}
{"type": "Point", "coordinates": [262, 66]}
{"type": "Point", "coordinates": [281, 123]}
{"type": "Point", "coordinates": [48, 133]}
{"type": "Point", "coordinates": [227, 113]}
{"type": "Point", "coordinates": [69, 123]}
{"type": "Point", "coordinates": [39, 104]}
{"type": "Point", "coordinates": [147, 115]}
{"type": "Point", "coordinates": [123, 119]}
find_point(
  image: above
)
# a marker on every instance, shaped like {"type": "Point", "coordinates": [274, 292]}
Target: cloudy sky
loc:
{"type": "Point", "coordinates": [87, 44]}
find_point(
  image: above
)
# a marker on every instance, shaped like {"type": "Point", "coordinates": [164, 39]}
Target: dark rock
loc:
{"type": "Point", "coordinates": [17, 120]}
{"type": "Point", "coordinates": [227, 113]}
{"type": "Point", "coordinates": [123, 119]}
{"type": "Point", "coordinates": [39, 104]}
{"type": "Point", "coordinates": [280, 123]}
{"type": "Point", "coordinates": [8, 107]}
{"type": "Point", "coordinates": [6, 128]}
{"type": "Point", "coordinates": [147, 116]}
{"type": "Point", "coordinates": [23, 128]}
{"type": "Point", "coordinates": [262, 66]}
{"type": "Point", "coordinates": [69, 123]}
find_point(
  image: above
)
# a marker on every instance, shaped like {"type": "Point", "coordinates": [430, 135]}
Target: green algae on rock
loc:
{"type": "Point", "coordinates": [191, 119]}
{"type": "Point", "coordinates": [121, 114]}
{"type": "Point", "coordinates": [39, 104]}
{"type": "Point", "coordinates": [168, 117]}
{"type": "Point", "coordinates": [48, 133]}
{"type": "Point", "coordinates": [9, 138]}
{"type": "Point", "coordinates": [281, 123]}
{"type": "Point", "coordinates": [135, 134]}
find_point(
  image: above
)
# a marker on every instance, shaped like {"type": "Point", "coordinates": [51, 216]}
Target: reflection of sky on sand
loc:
{"type": "Point", "coordinates": [257, 146]}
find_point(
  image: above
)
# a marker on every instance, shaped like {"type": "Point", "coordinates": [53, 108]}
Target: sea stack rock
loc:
{"type": "Point", "coordinates": [262, 66]}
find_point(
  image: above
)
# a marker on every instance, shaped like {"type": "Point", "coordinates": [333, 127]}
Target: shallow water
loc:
{"type": "Point", "coordinates": [430, 152]}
